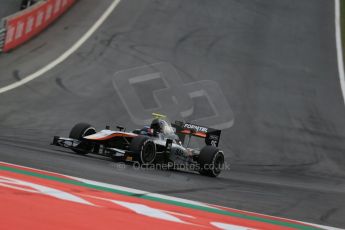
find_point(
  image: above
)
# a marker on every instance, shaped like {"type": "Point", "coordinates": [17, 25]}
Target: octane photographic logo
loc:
{"type": "Point", "coordinates": [171, 165]}
{"type": "Point", "coordinates": [159, 88]}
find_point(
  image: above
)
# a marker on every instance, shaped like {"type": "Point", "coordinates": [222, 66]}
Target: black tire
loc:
{"type": "Point", "coordinates": [144, 150]}
{"type": "Point", "coordinates": [211, 161]}
{"type": "Point", "coordinates": [78, 132]}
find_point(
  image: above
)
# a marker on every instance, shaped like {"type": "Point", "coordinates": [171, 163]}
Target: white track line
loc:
{"type": "Point", "coordinates": [66, 54]}
{"type": "Point", "coordinates": [339, 47]}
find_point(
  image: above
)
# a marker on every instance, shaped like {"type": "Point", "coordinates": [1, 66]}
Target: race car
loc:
{"type": "Point", "coordinates": [159, 143]}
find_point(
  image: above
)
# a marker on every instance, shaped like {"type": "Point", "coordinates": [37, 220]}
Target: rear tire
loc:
{"type": "Point", "coordinates": [144, 150]}
{"type": "Point", "coordinates": [211, 161]}
{"type": "Point", "coordinates": [78, 132]}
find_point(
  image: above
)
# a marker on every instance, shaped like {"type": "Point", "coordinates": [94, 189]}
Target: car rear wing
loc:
{"type": "Point", "coordinates": [211, 136]}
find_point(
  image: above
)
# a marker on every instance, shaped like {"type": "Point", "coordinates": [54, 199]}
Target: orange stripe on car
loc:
{"type": "Point", "coordinates": [198, 134]}
{"type": "Point", "coordinates": [112, 136]}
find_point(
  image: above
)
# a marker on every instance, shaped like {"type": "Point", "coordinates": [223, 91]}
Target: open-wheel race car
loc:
{"type": "Point", "coordinates": [159, 143]}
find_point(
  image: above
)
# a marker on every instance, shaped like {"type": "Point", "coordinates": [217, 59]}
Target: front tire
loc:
{"type": "Point", "coordinates": [211, 161]}
{"type": "Point", "coordinates": [78, 132]}
{"type": "Point", "coordinates": [144, 150]}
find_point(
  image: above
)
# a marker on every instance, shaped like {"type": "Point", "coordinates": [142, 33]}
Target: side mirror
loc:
{"type": "Point", "coordinates": [120, 128]}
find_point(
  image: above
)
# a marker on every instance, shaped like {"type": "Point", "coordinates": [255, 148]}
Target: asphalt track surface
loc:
{"type": "Point", "coordinates": [9, 7]}
{"type": "Point", "coordinates": [274, 61]}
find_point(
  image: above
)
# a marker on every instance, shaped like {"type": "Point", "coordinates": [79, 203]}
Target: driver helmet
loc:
{"type": "Point", "coordinates": [157, 125]}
